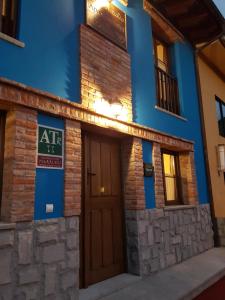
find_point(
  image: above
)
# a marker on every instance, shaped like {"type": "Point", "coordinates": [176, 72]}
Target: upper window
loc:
{"type": "Point", "coordinates": [161, 52]}
{"type": "Point", "coordinates": [8, 17]}
{"type": "Point", "coordinates": [171, 172]}
{"type": "Point", "coordinates": [220, 113]}
{"type": "Point", "coordinates": [167, 88]}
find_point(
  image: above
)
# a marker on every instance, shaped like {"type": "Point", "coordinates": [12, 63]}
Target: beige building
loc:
{"type": "Point", "coordinates": [211, 64]}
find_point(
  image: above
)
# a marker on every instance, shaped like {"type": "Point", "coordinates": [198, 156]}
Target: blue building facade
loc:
{"type": "Point", "coordinates": [47, 68]}
{"type": "Point", "coordinates": [50, 62]}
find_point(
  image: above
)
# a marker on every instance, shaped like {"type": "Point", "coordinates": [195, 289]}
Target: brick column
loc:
{"type": "Point", "coordinates": [159, 185]}
{"type": "Point", "coordinates": [72, 199]}
{"type": "Point", "coordinates": [189, 181]}
{"type": "Point", "coordinates": [19, 165]}
{"type": "Point", "coordinates": [133, 180]}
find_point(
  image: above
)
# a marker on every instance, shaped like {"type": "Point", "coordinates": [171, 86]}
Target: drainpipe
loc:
{"type": "Point", "coordinates": [212, 208]}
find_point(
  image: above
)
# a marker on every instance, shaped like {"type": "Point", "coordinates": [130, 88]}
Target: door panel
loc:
{"type": "Point", "coordinates": [107, 230]}
{"type": "Point", "coordinates": [105, 169]}
{"type": "Point", "coordinates": [115, 177]}
{"type": "Point", "coordinates": [103, 226]}
{"type": "Point", "coordinates": [96, 240]}
{"type": "Point", "coordinates": [94, 172]}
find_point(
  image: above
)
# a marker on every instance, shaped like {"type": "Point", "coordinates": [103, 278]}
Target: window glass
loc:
{"type": "Point", "coordinates": [169, 164]}
{"type": "Point", "coordinates": [220, 114]}
{"type": "Point", "coordinates": [161, 55]}
{"type": "Point", "coordinates": [167, 87]}
{"type": "Point", "coordinates": [170, 177]}
{"type": "Point", "coordinates": [8, 10]}
{"type": "Point", "coordinates": [171, 189]}
{"type": "Point", "coordinates": [223, 110]}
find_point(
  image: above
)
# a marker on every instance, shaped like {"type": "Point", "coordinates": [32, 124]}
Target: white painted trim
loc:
{"type": "Point", "coordinates": [170, 113]}
{"type": "Point", "coordinates": [11, 40]}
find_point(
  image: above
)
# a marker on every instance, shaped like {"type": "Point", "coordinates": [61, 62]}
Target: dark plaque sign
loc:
{"type": "Point", "coordinates": [108, 20]}
{"type": "Point", "coordinates": [50, 147]}
{"type": "Point", "coordinates": [148, 169]}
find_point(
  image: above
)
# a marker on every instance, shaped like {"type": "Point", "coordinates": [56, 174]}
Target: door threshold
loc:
{"type": "Point", "coordinates": [107, 287]}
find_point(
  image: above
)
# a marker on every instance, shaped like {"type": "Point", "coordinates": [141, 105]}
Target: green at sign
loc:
{"type": "Point", "coordinates": [50, 141]}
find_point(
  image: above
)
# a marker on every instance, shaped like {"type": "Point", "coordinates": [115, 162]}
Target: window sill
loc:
{"type": "Point", "coordinates": [6, 226]}
{"type": "Point", "coordinates": [11, 40]}
{"type": "Point", "coordinates": [179, 207]}
{"type": "Point", "coordinates": [170, 113]}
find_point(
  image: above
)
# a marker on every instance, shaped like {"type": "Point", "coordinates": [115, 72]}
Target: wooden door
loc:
{"type": "Point", "coordinates": [103, 230]}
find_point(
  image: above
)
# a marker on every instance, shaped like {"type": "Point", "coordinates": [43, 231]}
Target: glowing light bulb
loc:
{"type": "Point", "coordinates": [98, 4]}
{"type": "Point", "coordinates": [101, 106]}
{"type": "Point", "coordinates": [116, 108]}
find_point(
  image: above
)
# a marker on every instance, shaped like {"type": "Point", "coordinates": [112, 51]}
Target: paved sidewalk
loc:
{"type": "Point", "coordinates": [183, 281]}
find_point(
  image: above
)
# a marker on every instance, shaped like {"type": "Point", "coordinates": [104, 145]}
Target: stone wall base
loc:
{"type": "Point", "coordinates": [40, 260]}
{"type": "Point", "coordinates": [159, 238]}
{"type": "Point", "coordinates": [221, 231]}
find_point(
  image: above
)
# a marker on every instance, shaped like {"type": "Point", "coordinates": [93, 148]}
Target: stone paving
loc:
{"type": "Point", "coordinates": [180, 282]}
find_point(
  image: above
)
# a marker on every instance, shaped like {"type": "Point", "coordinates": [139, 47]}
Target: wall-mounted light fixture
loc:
{"type": "Point", "coordinates": [116, 108]}
{"type": "Point", "coordinates": [221, 157]}
{"type": "Point", "coordinates": [113, 109]}
{"type": "Point", "coordinates": [98, 4]}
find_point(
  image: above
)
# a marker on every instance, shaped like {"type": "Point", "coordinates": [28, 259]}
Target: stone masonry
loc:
{"type": "Point", "coordinates": [221, 231]}
{"type": "Point", "coordinates": [40, 260]}
{"type": "Point", "coordinates": [159, 238]}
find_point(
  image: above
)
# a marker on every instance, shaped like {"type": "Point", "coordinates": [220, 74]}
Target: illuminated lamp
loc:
{"type": "Point", "coordinates": [221, 157]}
{"type": "Point", "coordinates": [116, 108]}
{"type": "Point", "coordinates": [98, 4]}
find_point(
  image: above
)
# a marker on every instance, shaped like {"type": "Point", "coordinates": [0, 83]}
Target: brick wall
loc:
{"type": "Point", "coordinates": [159, 185]}
{"type": "Point", "coordinates": [19, 165]}
{"type": "Point", "coordinates": [14, 93]}
{"type": "Point", "coordinates": [72, 197]}
{"type": "Point", "coordinates": [105, 72]}
{"type": "Point", "coordinates": [189, 181]}
{"type": "Point", "coordinates": [133, 180]}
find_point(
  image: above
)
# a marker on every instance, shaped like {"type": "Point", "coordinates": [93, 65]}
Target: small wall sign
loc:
{"type": "Point", "coordinates": [50, 147]}
{"type": "Point", "coordinates": [148, 169]}
{"type": "Point", "coordinates": [107, 19]}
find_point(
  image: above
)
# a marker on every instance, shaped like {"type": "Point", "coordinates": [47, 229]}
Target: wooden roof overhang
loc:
{"type": "Point", "coordinates": [198, 20]}
{"type": "Point", "coordinates": [214, 56]}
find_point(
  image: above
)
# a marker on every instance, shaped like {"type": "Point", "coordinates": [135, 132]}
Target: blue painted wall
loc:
{"type": "Point", "coordinates": [140, 47]}
{"type": "Point", "coordinates": [148, 181]}
{"type": "Point", "coordinates": [49, 185]}
{"type": "Point", "coordinates": [50, 59]}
